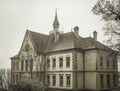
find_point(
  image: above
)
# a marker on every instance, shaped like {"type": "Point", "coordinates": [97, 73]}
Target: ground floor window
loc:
{"type": "Point", "coordinates": [68, 80]}
{"type": "Point", "coordinates": [54, 80]}
{"type": "Point", "coordinates": [108, 80]}
{"type": "Point", "coordinates": [114, 80]}
{"type": "Point", "coordinates": [101, 80]}
{"type": "Point", "coordinates": [48, 80]}
{"type": "Point", "coordinates": [17, 78]}
{"type": "Point", "coordinates": [61, 80]}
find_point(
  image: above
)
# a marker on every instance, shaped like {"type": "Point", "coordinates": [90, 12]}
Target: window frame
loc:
{"type": "Point", "coordinates": [26, 65]}
{"type": "Point", "coordinates": [101, 61]}
{"type": "Point", "coordinates": [48, 80]}
{"type": "Point", "coordinates": [61, 80]}
{"type": "Point", "coordinates": [114, 80]}
{"type": "Point", "coordinates": [108, 62]}
{"type": "Point", "coordinates": [68, 81]}
{"type": "Point", "coordinates": [101, 80]}
{"type": "Point", "coordinates": [22, 65]}
{"type": "Point", "coordinates": [54, 80]}
{"type": "Point", "coordinates": [108, 80]}
{"type": "Point", "coordinates": [68, 62]}
{"type": "Point", "coordinates": [48, 62]}
{"type": "Point", "coordinates": [61, 62]}
{"type": "Point", "coordinates": [54, 62]}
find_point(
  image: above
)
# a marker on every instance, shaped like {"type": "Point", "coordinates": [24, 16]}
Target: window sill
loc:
{"type": "Point", "coordinates": [68, 85]}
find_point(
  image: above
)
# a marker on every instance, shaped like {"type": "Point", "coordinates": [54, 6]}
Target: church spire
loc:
{"type": "Point", "coordinates": [56, 22]}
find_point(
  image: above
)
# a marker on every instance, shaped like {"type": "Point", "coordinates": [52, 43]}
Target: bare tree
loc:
{"type": "Point", "coordinates": [36, 79]}
{"type": "Point", "coordinates": [109, 10]}
{"type": "Point", "coordinates": [5, 79]}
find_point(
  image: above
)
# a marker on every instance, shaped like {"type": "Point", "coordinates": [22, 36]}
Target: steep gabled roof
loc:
{"type": "Point", "coordinates": [40, 40]}
{"type": "Point", "coordinates": [45, 43]}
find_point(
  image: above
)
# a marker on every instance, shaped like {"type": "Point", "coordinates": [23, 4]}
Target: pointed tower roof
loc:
{"type": "Point", "coordinates": [56, 22]}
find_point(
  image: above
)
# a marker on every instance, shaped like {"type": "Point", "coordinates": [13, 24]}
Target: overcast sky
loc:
{"type": "Point", "coordinates": [37, 15]}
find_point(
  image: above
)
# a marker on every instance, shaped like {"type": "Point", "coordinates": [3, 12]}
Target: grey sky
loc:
{"type": "Point", "coordinates": [37, 15]}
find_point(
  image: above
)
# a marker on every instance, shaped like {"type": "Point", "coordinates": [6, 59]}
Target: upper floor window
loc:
{"type": "Point", "coordinates": [26, 65]}
{"type": "Point", "coordinates": [114, 63]}
{"type": "Point", "coordinates": [61, 80]}
{"type": "Point", "coordinates": [60, 62]}
{"type": "Point", "coordinates": [67, 61]}
{"type": "Point", "coordinates": [114, 80]}
{"type": "Point", "coordinates": [108, 80]}
{"type": "Point", "coordinates": [102, 80]}
{"type": "Point", "coordinates": [54, 80]}
{"type": "Point", "coordinates": [17, 66]}
{"type": "Point", "coordinates": [48, 63]}
{"type": "Point", "coordinates": [48, 80]}
{"type": "Point", "coordinates": [108, 63]}
{"type": "Point", "coordinates": [54, 62]}
{"type": "Point", "coordinates": [13, 65]}
{"type": "Point", "coordinates": [22, 65]}
{"type": "Point", "coordinates": [101, 61]}
{"type": "Point", "coordinates": [31, 64]}
{"type": "Point", "coordinates": [68, 80]}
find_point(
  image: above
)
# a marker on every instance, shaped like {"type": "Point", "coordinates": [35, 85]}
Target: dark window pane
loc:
{"type": "Point", "coordinates": [60, 62]}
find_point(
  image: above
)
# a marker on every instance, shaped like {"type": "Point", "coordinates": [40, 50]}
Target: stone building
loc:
{"type": "Point", "coordinates": [65, 61]}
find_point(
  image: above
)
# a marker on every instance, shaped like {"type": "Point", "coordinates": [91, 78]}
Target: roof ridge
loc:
{"type": "Point", "coordinates": [38, 33]}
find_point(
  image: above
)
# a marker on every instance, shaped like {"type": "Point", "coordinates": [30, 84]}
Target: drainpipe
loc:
{"type": "Point", "coordinates": [83, 69]}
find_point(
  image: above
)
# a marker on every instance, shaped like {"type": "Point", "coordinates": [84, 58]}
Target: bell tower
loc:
{"type": "Point", "coordinates": [56, 27]}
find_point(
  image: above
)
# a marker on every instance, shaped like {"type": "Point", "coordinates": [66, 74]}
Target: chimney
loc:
{"type": "Point", "coordinates": [95, 35]}
{"type": "Point", "coordinates": [76, 31]}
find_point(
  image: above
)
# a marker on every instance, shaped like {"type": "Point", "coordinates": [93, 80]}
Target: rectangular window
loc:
{"type": "Point", "coordinates": [48, 80]}
{"type": "Point", "coordinates": [68, 62]}
{"type": "Point", "coordinates": [114, 80]}
{"type": "Point", "coordinates": [54, 80]}
{"type": "Point", "coordinates": [13, 78]}
{"type": "Point", "coordinates": [17, 66]}
{"type": "Point", "coordinates": [101, 61]}
{"type": "Point", "coordinates": [48, 63]}
{"type": "Point", "coordinates": [31, 64]}
{"type": "Point", "coordinates": [61, 62]}
{"type": "Point", "coordinates": [114, 63]}
{"type": "Point", "coordinates": [61, 80]}
{"type": "Point", "coordinates": [22, 65]}
{"type": "Point", "coordinates": [13, 65]}
{"type": "Point", "coordinates": [102, 80]}
{"type": "Point", "coordinates": [54, 62]}
{"type": "Point", "coordinates": [68, 81]}
{"type": "Point", "coordinates": [108, 80]}
{"type": "Point", "coordinates": [26, 65]}
{"type": "Point", "coordinates": [17, 78]}
{"type": "Point", "coordinates": [107, 62]}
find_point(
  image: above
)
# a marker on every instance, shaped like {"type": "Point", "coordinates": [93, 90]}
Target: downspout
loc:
{"type": "Point", "coordinates": [83, 70]}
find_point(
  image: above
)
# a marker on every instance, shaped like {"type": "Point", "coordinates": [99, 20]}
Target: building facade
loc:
{"type": "Point", "coordinates": [65, 61]}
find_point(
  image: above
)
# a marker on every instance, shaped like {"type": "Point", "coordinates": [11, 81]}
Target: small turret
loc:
{"type": "Point", "coordinates": [56, 22]}
{"type": "Point", "coordinates": [56, 28]}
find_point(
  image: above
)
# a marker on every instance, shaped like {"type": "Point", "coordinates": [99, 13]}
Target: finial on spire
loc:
{"type": "Point", "coordinates": [56, 22]}
{"type": "Point", "coordinates": [56, 11]}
